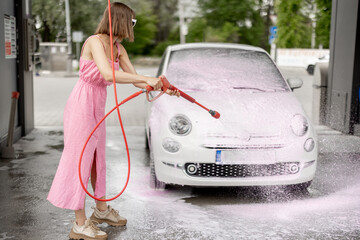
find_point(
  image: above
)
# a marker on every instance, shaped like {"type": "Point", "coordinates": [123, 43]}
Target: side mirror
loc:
{"type": "Point", "coordinates": [310, 69]}
{"type": "Point", "coordinates": [294, 83]}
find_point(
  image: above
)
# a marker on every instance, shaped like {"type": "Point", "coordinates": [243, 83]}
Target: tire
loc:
{"type": "Point", "coordinates": [154, 181]}
{"type": "Point", "coordinates": [146, 140]}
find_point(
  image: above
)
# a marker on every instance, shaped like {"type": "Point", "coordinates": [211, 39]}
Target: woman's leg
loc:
{"type": "Point", "coordinates": [102, 206]}
{"type": "Point", "coordinates": [80, 217]}
{"type": "Point", "coordinates": [102, 213]}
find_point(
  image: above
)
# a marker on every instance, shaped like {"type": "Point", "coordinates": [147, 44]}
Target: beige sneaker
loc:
{"type": "Point", "coordinates": [110, 216]}
{"type": "Point", "coordinates": [87, 231]}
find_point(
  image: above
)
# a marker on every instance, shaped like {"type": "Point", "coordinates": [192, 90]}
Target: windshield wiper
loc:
{"type": "Point", "coordinates": [258, 89]}
{"type": "Point", "coordinates": [262, 90]}
{"type": "Point", "coordinates": [280, 90]}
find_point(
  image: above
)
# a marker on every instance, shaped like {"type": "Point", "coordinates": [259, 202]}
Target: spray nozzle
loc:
{"type": "Point", "coordinates": [215, 114]}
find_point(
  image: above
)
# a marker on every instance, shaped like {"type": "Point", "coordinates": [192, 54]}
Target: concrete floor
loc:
{"type": "Point", "coordinates": [330, 209]}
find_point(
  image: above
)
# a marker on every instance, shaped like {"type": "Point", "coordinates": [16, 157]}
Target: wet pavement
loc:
{"type": "Point", "coordinates": [330, 209]}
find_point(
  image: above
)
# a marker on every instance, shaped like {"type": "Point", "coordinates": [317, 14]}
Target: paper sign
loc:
{"type": "Point", "coordinates": [10, 36]}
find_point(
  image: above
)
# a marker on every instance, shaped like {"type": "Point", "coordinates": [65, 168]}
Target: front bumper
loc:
{"type": "Point", "coordinates": [262, 160]}
{"type": "Point", "coordinates": [176, 174]}
{"type": "Point", "coordinates": [172, 168]}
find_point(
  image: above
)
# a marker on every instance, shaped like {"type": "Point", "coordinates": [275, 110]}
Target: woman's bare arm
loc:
{"type": "Point", "coordinates": [127, 66]}
{"type": "Point", "coordinates": [101, 61]}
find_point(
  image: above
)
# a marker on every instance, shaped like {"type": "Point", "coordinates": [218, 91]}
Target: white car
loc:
{"type": "Point", "coordinates": [263, 136]}
{"type": "Point", "coordinates": [311, 66]}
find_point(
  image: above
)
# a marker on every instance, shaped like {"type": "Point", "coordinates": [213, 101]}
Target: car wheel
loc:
{"type": "Point", "coordinates": [146, 140]}
{"type": "Point", "coordinates": [154, 182]}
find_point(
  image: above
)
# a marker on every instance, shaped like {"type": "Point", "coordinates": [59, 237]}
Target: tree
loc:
{"type": "Point", "coordinates": [225, 15]}
{"type": "Point", "coordinates": [166, 19]}
{"type": "Point", "coordinates": [294, 27]}
{"type": "Point", "coordinates": [266, 10]}
{"type": "Point", "coordinates": [200, 31]}
{"type": "Point", "coordinates": [144, 32]}
{"type": "Point", "coordinates": [85, 15]}
{"type": "Point", "coordinates": [197, 30]}
{"type": "Point", "coordinates": [49, 16]}
{"type": "Point", "coordinates": [323, 21]}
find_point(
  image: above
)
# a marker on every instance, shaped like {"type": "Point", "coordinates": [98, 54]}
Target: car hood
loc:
{"type": "Point", "coordinates": [243, 113]}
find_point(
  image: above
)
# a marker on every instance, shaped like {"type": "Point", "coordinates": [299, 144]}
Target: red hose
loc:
{"type": "Point", "coordinates": [118, 111]}
{"type": "Point", "coordinates": [166, 85]}
{"type": "Point", "coordinates": [127, 149]}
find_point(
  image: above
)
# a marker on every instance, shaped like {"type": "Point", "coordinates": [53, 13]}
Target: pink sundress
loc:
{"type": "Point", "coordinates": [84, 109]}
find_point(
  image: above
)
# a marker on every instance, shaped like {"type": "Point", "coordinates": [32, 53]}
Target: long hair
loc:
{"type": "Point", "coordinates": [121, 21]}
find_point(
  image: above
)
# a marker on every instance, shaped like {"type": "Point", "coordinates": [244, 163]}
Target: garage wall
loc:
{"type": "Point", "coordinates": [341, 67]}
{"type": "Point", "coordinates": [16, 73]}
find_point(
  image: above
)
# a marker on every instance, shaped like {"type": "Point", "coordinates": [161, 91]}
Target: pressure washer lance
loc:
{"type": "Point", "coordinates": [167, 85]}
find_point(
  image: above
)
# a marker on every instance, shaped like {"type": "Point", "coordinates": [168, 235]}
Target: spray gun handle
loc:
{"type": "Point", "coordinates": [165, 82]}
{"type": "Point", "coordinates": [164, 88]}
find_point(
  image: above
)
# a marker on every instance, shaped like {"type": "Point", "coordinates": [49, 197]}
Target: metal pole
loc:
{"type": "Point", "coordinates": [78, 51]}
{"type": "Point", "coordinates": [313, 23]}
{"type": "Point", "coordinates": [182, 22]}
{"type": "Point", "coordinates": [9, 151]}
{"type": "Point", "coordinates": [68, 36]}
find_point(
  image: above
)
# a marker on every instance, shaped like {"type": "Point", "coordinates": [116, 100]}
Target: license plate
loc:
{"type": "Point", "coordinates": [247, 157]}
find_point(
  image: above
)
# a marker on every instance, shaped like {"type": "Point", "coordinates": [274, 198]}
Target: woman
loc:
{"type": "Point", "coordinates": [84, 109]}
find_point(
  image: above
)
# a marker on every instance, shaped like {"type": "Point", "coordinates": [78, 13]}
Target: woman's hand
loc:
{"type": "Point", "coordinates": [173, 92]}
{"type": "Point", "coordinates": [155, 83]}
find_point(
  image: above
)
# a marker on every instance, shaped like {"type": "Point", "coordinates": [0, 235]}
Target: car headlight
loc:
{"type": "Point", "coordinates": [180, 125]}
{"type": "Point", "coordinates": [299, 125]}
{"type": "Point", "coordinates": [171, 145]}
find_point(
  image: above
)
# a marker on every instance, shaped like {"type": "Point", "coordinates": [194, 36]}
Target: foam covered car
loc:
{"type": "Point", "coordinates": [263, 136]}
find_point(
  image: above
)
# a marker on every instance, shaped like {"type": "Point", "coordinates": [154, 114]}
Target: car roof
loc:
{"type": "Point", "coordinates": [178, 47]}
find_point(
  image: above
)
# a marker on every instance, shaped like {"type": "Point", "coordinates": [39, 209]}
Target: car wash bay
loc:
{"type": "Point", "coordinates": [330, 209]}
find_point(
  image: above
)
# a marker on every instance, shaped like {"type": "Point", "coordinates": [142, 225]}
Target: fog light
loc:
{"type": "Point", "coordinates": [191, 168]}
{"type": "Point", "coordinates": [309, 144]}
{"type": "Point", "coordinates": [294, 168]}
{"type": "Point", "coordinates": [171, 145]}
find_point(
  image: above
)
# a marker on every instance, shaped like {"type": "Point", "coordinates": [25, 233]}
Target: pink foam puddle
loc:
{"type": "Point", "coordinates": [345, 200]}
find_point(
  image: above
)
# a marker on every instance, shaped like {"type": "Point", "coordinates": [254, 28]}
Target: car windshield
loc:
{"type": "Point", "coordinates": [224, 68]}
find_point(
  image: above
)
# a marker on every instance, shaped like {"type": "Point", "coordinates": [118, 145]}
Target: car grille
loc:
{"type": "Point", "coordinates": [242, 170]}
